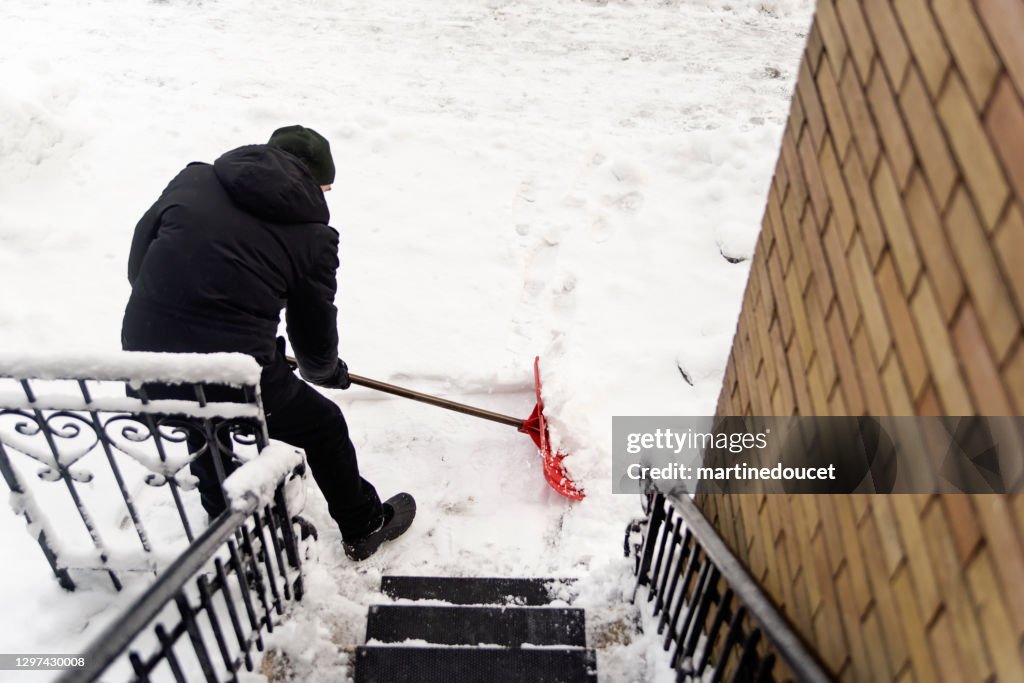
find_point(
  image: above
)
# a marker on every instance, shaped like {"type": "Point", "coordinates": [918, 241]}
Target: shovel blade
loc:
{"type": "Point", "coordinates": [536, 427]}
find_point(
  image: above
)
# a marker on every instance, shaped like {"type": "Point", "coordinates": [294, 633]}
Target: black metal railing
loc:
{"type": "Point", "coordinates": [718, 625]}
{"type": "Point", "coordinates": [207, 612]}
{"type": "Point", "coordinates": [96, 463]}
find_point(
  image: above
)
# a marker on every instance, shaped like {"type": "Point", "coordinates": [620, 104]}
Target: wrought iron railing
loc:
{"type": "Point", "coordinates": [206, 613]}
{"type": "Point", "coordinates": [718, 625]}
{"type": "Point", "coordinates": [97, 455]}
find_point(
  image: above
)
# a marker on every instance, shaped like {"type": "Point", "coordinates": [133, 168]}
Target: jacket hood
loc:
{"type": "Point", "coordinates": [271, 184]}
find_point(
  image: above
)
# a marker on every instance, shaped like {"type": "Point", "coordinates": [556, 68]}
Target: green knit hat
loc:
{"type": "Point", "coordinates": [309, 146]}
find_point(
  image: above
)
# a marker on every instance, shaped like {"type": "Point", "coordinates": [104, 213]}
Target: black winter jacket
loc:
{"type": "Point", "coordinates": [224, 249]}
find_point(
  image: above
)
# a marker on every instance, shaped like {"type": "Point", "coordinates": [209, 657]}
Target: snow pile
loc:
{"type": "Point", "coordinates": [579, 180]}
{"type": "Point", "coordinates": [256, 480]}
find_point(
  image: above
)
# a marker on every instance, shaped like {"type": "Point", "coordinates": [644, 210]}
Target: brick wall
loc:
{"type": "Point", "coordinates": [888, 280]}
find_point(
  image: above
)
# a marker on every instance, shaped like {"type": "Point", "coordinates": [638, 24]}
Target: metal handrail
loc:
{"type": "Point", "coordinates": [109, 644]}
{"type": "Point", "coordinates": [703, 553]}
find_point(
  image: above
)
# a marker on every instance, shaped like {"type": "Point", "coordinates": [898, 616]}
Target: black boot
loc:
{"type": "Point", "coordinates": [399, 511]}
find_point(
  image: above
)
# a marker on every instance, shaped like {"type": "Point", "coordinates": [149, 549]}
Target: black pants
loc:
{"type": "Point", "coordinates": [296, 414]}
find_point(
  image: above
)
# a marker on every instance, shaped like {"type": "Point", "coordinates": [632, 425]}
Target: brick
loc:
{"type": "Point", "coordinates": [939, 351]}
{"type": "Point", "coordinates": [878, 575]}
{"type": "Point", "coordinates": [867, 370]}
{"type": "Point", "coordinates": [816, 385]}
{"type": "Point", "coordinates": [773, 216]}
{"type": "Point", "coordinates": [831, 34]}
{"type": "Point", "coordinates": [926, 589]}
{"type": "Point", "coordinates": [970, 46]}
{"type": "Point", "coordinates": [980, 370]}
{"type": "Point", "coordinates": [835, 255]}
{"type": "Point", "coordinates": [928, 403]}
{"type": "Point", "coordinates": [814, 114]}
{"type": "Point", "coordinates": [870, 303]}
{"type": "Point", "coordinates": [830, 530]}
{"type": "Point", "coordinates": [894, 221]}
{"type": "Point", "coordinates": [864, 207]}
{"type": "Point", "coordinates": [854, 559]}
{"type": "Point", "coordinates": [875, 642]}
{"type": "Point", "coordinates": [837, 402]}
{"type": "Point", "coordinates": [826, 362]}
{"type": "Point", "coordinates": [860, 44]}
{"type": "Point", "coordinates": [890, 126]}
{"type": "Point", "coordinates": [943, 645]}
{"type": "Point", "coordinates": [1004, 20]}
{"type": "Point", "coordinates": [925, 41]}
{"type": "Point", "coordinates": [929, 140]}
{"type": "Point", "coordinates": [835, 115]}
{"type": "Point", "coordinates": [799, 378]}
{"type": "Point", "coordinates": [854, 638]}
{"type": "Point", "coordinates": [887, 534]}
{"type": "Point", "coordinates": [963, 525]}
{"type": "Point", "coordinates": [888, 37]}
{"type": "Point", "coordinates": [1014, 375]}
{"type": "Point", "coordinates": [999, 633]}
{"type": "Point", "coordinates": [1003, 535]}
{"type": "Point", "coordinates": [946, 568]}
{"type": "Point", "coordinates": [913, 629]}
{"type": "Point", "coordinates": [785, 385]}
{"type": "Point", "coordinates": [935, 248]}
{"type": "Point", "coordinates": [760, 328]}
{"type": "Point", "coordinates": [859, 116]}
{"type": "Point", "coordinates": [785, 316]}
{"type": "Point", "coordinates": [800, 323]}
{"type": "Point", "coordinates": [819, 264]}
{"type": "Point", "coordinates": [848, 382]}
{"type": "Point", "coordinates": [797, 193]}
{"type": "Point", "coordinates": [908, 347]}
{"type": "Point", "coordinates": [984, 281]}
{"type": "Point", "coordinates": [1004, 123]}
{"type": "Point", "coordinates": [815, 48]}
{"type": "Point", "coordinates": [896, 393]}
{"type": "Point", "coordinates": [978, 162]}
{"type": "Point", "coordinates": [792, 215]}
{"type": "Point", "coordinates": [812, 174]}
{"type": "Point", "coordinates": [842, 209]}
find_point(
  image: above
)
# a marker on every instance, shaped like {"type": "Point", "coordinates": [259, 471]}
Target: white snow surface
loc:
{"type": "Point", "coordinates": [515, 178]}
{"type": "Point", "coordinates": [136, 367]}
{"type": "Point", "coordinates": [257, 479]}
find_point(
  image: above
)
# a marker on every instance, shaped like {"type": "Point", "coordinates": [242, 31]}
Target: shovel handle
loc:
{"type": "Point", "coordinates": [427, 398]}
{"type": "Point", "coordinates": [435, 401]}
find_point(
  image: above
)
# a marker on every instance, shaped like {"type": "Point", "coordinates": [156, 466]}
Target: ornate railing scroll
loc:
{"type": "Point", "coordinates": [205, 616]}
{"type": "Point", "coordinates": [717, 623]}
{"type": "Point", "coordinates": [97, 451]}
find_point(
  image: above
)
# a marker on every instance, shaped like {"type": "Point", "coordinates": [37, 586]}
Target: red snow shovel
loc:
{"type": "Point", "coordinates": [536, 426]}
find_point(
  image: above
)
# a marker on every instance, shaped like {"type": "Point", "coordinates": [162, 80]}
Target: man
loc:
{"type": "Point", "coordinates": [225, 248]}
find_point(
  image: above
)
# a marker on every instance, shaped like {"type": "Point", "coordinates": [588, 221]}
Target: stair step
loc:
{"type": "Point", "coordinates": [472, 591]}
{"type": "Point", "coordinates": [503, 626]}
{"type": "Point", "coordinates": [386, 664]}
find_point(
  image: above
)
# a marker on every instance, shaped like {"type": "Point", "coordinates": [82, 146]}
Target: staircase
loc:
{"type": "Point", "coordinates": [491, 630]}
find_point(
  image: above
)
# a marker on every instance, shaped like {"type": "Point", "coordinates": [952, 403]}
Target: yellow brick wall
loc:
{"type": "Point", "coordinates": [889, 279]}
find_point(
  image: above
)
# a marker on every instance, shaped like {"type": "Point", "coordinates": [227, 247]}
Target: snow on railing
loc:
{"type": "Point", "coordinates": [97, 450]}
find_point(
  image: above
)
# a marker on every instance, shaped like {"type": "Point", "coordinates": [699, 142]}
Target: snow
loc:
{"type": "Point", "coordinates": [515, 177]}
{"type": "Point", "coordinates": [256, 480]}
{"type": "Point", "coordinates": [232, 369]}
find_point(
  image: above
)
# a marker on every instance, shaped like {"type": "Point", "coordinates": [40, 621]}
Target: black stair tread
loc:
{"type": "Point", "coordinates": [472, 591]}
{"type": "Point", "coordinates": [389, 664]}
{"type": "Point", "coordinates": [460, 625]}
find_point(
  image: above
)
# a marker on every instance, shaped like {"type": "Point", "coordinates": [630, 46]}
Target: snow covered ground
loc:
{"type": "Point", "coordinates": [553, 177]}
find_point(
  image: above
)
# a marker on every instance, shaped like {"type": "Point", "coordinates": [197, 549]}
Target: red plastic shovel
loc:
{"type": "Point", "coordinates": [535, 426]}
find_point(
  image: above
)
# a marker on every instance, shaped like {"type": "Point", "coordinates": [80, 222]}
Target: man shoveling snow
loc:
{"type": "Point", "coordinates": [225, 248]}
